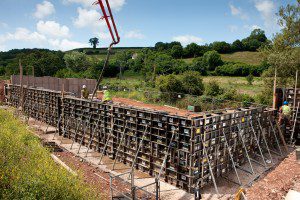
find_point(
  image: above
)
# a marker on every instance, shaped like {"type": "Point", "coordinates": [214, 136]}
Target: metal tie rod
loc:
{"type": "Point", "coordinates": [58, 126]}
{"type": "Point", "coordinates": [138, 149]}
{"type": "Point", "coordinates": [210, 168]}
{"type": "Point", "coordinates": [87, 124]}
{"type": "Point", "coordinates": [264, 139]}
{"type": "Point", "coordinates": [92, 137]}
{"type": "Point", "coordinates": [78, 123]}
{"type": "Point", "coordinates": [166, 156]}
{"type": "Point", "coordinates": [231, 158]}
{"type": "Point", "coordinates": [121, 141]}
{"type": "Point", "coordinates": [276, 139]}
{"type": "Point", "coordinates": [257, 142]}
{"type": "Point", "coordinates": [295, 123]}
{"type": "Point", "coordinates": [107, 141]}
{"type": "Point", "coordinates": [245, 148]}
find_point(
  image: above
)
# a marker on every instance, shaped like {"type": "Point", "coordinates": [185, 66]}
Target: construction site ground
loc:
{"type": "Point", "coordinates": [271, 183]}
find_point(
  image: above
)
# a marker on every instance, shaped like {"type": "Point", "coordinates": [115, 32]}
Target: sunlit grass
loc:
{"type": "Point", "coordinates": [27, 170]}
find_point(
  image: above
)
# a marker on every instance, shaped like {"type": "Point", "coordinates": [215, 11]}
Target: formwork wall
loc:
{"type": "Point", "coordinates": [293, 97]}
{"type": "Point", "coordinates": [186, 166]}
{"type": "Point", "coordinates": [2, 95]}
{"type": "Point", "coordinates": [72, 85]}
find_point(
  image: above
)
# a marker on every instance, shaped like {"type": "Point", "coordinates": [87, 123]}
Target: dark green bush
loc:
{"type": "Point", "coordinates": [192, 83]}
{"type": "Point", "coordinates": [237, 69]}
{"type": "Point", "coordinates": [170, 86]}
{"type": "Point", "coordinates": [213, 89]}
{"type": "Point", "coordinates": [250, 79]}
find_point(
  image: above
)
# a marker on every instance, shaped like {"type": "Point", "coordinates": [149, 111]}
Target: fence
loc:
{"type": "Point", "coordinates": [72, 85]}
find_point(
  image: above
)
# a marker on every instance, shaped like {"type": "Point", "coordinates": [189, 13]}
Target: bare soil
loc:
{"type": "Point", "coordinates": [170, 110]}
{"type": "Point", "coordinates": [278, 182]}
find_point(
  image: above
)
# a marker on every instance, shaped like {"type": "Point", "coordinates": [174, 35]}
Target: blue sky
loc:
{"type": "Point", "coordinates": [68, 24]}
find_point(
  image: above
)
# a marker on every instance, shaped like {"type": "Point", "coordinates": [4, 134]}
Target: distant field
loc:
{"type": "Point", "coordinates": [252, 58]}
{"type": "Point", "coordinates": [238, 83]}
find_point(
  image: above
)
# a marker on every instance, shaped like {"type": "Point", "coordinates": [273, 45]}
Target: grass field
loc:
{"type": "Point", "coordinates": [27, 170]}
{"type": "Point", "coordinates": [252, 58]}
{"type": "Point", "coordinates": [238, 83]}
{"type": "Point", "coordinates": [133, 81]}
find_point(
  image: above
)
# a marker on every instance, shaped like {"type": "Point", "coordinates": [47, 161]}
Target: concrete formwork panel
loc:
{"type": "Point", "coordinates": [184, 140]}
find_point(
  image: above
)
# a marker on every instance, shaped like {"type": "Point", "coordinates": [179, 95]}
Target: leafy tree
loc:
{"type": "Point", "coordinates": [94, 42]}
{"type": "Point", "coordinates": [199, 65]}
{"type": "Point", "coordinates": [212, 59]}
{"type": "Point", "coordinates": [259, 35]}
{"type": "Point", "coordinates": [76, 61]}
{"type": "Point", "coordinates": [177, 51]}
{"type": "Point", "coordinates": [163, 63]}
{"type": "Point", "coordinates": [237, 46]}
{"type": "Point", "coordinates": [284, 54]}
{"type": "Point", "coordinates": [122, 59]}
{"type": "Point", "coordinates": [44, 62]}
{"type": "Point", "coordinates": [192, 83]}
{"type": "Point", "coordinates": [160, 46]}
{"type": "Point", "coordinates": [221, 47]}
{"type": "Point", "coordinates": [192, 50]}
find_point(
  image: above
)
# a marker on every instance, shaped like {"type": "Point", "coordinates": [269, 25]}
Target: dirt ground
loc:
{"type": "Point", "coordinates": [138, 104]}
{"type": "Point", "coordinates": [278, 182]}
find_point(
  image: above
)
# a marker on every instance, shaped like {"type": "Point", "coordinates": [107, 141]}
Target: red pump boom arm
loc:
{"type": "Point", "coordinates": [110, 23]}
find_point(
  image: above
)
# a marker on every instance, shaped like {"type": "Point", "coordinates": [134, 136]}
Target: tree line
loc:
{"type": "Point", "coordinates": [256, 40]}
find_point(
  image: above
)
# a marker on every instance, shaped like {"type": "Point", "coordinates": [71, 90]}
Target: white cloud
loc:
{"type": "Point", "coordinates": [252, 27]}
{"type": "Point", "coordinates": [235, 11]}
{"type": "Point", "coordinates": [134, 34]}
{"type": "Point", "coordinates": [44, 9]}
{"type": "Point", "coordinates": [23, 34]}
{"type": "Point", "coordinates": [88, 18]}
{"type": "Point", "coordinates": [114, 4]}
{"type": "Point", "coordinates": [187, 39]}
{"type": "Point", "coordinates": [104, 35]}
{"type": "Point", "coordinates": [66, 44]}
{"type": "Point", "coordinates": [267, 9]}
{"type": "Point", "coordinates": [52, 29]}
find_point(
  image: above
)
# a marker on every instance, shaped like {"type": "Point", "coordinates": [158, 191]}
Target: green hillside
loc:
{"type": "Point", "coordinates": [247, 57]}
{"type": "Point", "coordinates": [252, 58]}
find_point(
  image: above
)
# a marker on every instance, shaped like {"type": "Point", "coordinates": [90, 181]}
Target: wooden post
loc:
{"type": "Point", "coordinates": [295, 91]}
{"type": "Point", "coordinates": [21, 83]}
{"type": "Point", "coordinates": [274, 89]}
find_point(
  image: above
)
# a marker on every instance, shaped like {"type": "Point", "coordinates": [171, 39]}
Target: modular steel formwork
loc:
{"type": "Point", "coordinates": [188, 152]}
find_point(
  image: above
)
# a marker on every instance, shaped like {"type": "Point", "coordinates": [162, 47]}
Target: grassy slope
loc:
{"type": "Point", "coordinates": [238, 83]}
{"type": "Point", "coordinates": [29, 171]}
{"type": "Point", "coordinates": [252, 58]}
